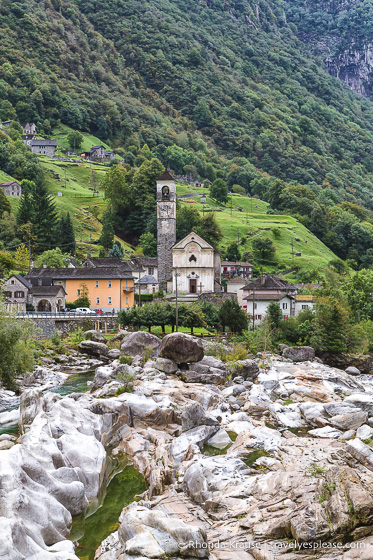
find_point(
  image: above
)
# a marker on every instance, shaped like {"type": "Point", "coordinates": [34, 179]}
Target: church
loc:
{"type": "Point", "coordinates": [192, 263]}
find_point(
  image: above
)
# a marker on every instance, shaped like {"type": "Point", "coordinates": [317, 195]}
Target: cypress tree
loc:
{"type": "Point", "coordinates": [107, 233]}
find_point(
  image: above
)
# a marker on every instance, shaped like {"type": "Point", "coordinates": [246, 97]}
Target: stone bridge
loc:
{"type": "Point", "coordinates": [47, 324]}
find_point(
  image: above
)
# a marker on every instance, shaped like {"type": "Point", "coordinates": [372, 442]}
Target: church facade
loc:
{"type": "Point", "coordinates": [197, 265]}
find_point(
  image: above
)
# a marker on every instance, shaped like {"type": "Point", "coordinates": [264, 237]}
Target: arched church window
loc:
{"type": "Point", "coordinates": [165, 193]}
{"type": "Point", "coordinates": [192, 259]}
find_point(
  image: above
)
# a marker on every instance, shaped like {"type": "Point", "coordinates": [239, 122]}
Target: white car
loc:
{"type": "Point", "coordinates": [84, 311]}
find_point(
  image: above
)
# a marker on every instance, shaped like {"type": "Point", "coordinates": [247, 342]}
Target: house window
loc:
{"type": "Point", "coordinates": [232, 267]}
{"type": "Point", "coordinates": [19, 294]}
{"type": "Point", "coordinates": [127, 285]}
{"type": "Point", "coordinates": [224, 268]}
{"type": "Point", "coordinates": [59, 283]}
{"type": "Point", "coordinates": [126, 300]}
{"type": "Point", "coordinates": [78, 292]}
{"type": "Point", "coordinates": [12, 281]}
{"type": "Point", "coordinates": [97, 300]}
{"type": "Point", "coordinates": [8, 294]}
{"type": "Point", "coordinates": [285, 317]}
{"type": "Point", "coordinates": [96, 284]}
{"type": "Point", "coordinates": [109, 300]}
{"type": "Point", "coordinates": [109, 284]}
{"type": "Point", "coordinates": [151, 271]}
{"type": "Point", "coordinates": [284, 306]}
{"type": "Point", "coordinates": [304, 307]}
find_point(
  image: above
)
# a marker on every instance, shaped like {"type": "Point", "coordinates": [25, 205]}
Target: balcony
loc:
{"type": "Point", "coordinates": [128, 290]}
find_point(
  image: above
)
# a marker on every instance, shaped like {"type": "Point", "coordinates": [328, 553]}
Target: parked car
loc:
{"type": "Point", "coordinates": [99, 311]}
{"type": "Point", "coordinates": [84, 311]}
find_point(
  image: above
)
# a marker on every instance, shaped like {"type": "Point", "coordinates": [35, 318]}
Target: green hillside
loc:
{"type": "Point", "coordinates": [243, 218]}
{"type": "Point", "coordinates": [227, 83]}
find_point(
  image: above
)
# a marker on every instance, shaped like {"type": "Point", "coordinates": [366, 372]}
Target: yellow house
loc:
{"type": "Point", "coordinates": [108, 288]}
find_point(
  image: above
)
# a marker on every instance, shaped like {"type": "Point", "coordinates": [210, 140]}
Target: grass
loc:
{"type": "Point", "coordinates": [158, 330]}
{"type": "Point", "coordinates": [61, 132]}
{"type": "Point", "coordinates": [243, 218]}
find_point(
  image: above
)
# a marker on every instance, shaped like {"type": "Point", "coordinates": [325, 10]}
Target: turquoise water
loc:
{"type": "Point", "coordinates": [75, 383]}
{"type": "Point", "coordinates": [92, 527]}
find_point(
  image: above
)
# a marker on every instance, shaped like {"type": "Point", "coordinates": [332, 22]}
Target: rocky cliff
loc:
{"type": "Point", "coordinates": [341, 33]}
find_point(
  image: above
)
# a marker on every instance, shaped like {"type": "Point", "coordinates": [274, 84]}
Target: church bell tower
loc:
{"type": "Point", "coordinates": [166, 226]}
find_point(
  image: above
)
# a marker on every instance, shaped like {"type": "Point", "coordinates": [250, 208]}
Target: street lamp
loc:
{"type": "Point", "coordinates": [177, 274]}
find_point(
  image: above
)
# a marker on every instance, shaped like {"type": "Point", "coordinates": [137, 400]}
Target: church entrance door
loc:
{"type": "Point", "coordinates": [193, 286]}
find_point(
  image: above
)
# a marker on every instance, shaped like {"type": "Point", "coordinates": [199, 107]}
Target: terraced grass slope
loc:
{"type": "Point", "coordinates": [244, 218]}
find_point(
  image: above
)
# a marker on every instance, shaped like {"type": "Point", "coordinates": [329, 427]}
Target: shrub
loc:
{"type": "Point", "coordinates": [128, 379]}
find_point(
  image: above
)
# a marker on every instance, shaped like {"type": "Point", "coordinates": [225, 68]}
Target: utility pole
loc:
{"type": "Point", "coordinates": [292, 249]}
{"type": "Point", "coordinates": [238, 236]}
{"type": "Point", "coordinates": [253, 309]}
{"type": "Point", "coordinates": [29, 255]}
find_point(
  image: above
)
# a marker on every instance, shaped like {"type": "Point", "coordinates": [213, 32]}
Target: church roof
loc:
{"type": "Point", "coordinates": [166, 176]}
{"type": "Point", "coordinates": [193, 237]}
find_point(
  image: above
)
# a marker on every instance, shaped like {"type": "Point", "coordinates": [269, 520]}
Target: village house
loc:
{"type": "Point", "coordinates": [109, 288]}
{"type": "Point", "coordinates": [235, 286]}
{"type": "Point", "coordinates": [12, 188]}
{"type": "Point", "coordinates": [197, 265]}
{"type": "Point", "coordinates": [100, 153]}
{"type": "Point", "coordinates": [230, 269]}
{"type": "Point", "coordinates": [40, 294]}
{"type": "Point", "coordinates": [45, 147]}
{"type": "Point", "coordinates": [259, 293]}
{"type": "Point", "coordinates": [5, 124]}
{"type": "Point", "coordinates": [97, 152]}
{"type": "Point", "coordinates": [15, 291]}
{"type": "Point", "coordinates": [146, 285]}
{"type": "Point", "coordinates": [303, 302]}
{"type": "Point", "coordinates": [28, 138]}
{"type": "Point", "coordinates": [29, 128]}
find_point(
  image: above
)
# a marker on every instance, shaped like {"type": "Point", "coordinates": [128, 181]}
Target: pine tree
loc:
{"type": "Point", "coordinates": [25, 209]}
{"type": "Point", "coordinates": [44, 218]}
{"type": "Point", "coordinates": [66, 234]}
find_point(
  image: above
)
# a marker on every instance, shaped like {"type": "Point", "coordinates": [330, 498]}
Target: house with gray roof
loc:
{"type": "Point", "coordinates": [45, 147]}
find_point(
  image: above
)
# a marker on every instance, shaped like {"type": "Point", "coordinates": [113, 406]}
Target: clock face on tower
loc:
{"type": "Point", "coordinates": [166, 210]}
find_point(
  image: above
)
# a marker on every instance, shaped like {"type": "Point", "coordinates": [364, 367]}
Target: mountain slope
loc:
{"type": "Point", "coordinates": [342, 33]}
{"type": "Point", "coordinates": [173, 72]}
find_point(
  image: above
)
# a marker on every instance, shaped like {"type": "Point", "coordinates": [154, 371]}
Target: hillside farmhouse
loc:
{"type": "Point", "coordinates": [45, 147]}
{"type": "Point", "coordinates": [12, 188]}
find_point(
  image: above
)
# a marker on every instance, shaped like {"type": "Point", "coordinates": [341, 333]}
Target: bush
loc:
{"type": "Point", "coordinates": [128, 380]}
{"type": "Point", "coordinates": [16, 352]}
{"type": "Point", "coordinates": [125, 359]}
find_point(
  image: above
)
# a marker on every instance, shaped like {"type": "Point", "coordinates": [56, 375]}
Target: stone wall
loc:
{"type": "Point", "coordinates": [217, 298]}
{"type": "Point", "coordinates": [45, 328]}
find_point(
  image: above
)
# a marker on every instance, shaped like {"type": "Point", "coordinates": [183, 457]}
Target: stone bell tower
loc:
{"type": "Point", "coordinates": [166, 226]}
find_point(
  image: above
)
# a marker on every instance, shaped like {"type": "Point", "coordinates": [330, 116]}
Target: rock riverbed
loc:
{"type": "Point", "coordinates": [293, 464]}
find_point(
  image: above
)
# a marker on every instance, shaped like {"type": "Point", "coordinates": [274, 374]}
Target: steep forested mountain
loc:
{"type": "Point", "coordinates": [208, 85]}
{"type": "Point", "coordinates": [341, 32]}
